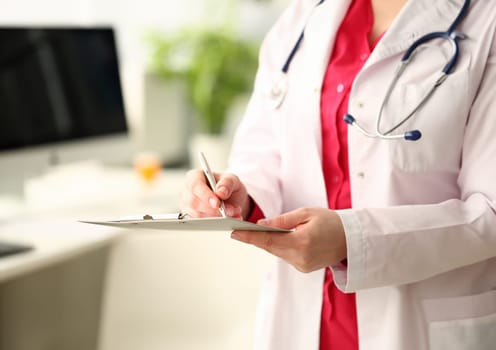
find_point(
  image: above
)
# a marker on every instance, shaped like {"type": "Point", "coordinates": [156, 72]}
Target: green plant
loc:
{"type": "Point", "coordinates": [216, 67]}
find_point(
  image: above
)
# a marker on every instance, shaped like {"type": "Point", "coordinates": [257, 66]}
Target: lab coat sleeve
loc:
{"type": "Point", "coordinates": [405, 244]}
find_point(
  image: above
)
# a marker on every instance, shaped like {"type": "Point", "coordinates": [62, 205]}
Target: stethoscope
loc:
{"type": "Point", "coordinates": [280, 87]}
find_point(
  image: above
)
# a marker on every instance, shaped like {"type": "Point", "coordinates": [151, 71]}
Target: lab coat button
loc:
{"type": "Point", "coordinates": [361, 175]}
{"type": "Point", "coordinates": [360, 104]}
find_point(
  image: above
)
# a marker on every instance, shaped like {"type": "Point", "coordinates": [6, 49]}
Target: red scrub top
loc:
{"type": "Point", "coordinates": [338, 330]}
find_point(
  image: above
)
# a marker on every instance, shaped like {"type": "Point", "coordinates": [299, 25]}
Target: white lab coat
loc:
{"type": "Point", "coordinates": [421, 235]}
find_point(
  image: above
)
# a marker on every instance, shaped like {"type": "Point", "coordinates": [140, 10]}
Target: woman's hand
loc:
{"type": "Point", "coordinates": [317, 241]}
{"type": "Point", "coordinates": [198, 200]}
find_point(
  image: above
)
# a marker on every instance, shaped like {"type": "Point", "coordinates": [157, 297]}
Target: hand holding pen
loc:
{"type": "Point", "coordinates": [202, 199]}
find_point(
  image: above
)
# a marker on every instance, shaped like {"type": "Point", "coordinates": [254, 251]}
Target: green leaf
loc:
{"type": "Point", "coordinates": [216, 66]}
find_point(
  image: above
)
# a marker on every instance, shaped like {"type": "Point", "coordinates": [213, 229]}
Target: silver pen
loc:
{"type": "Point", "coordinates": [211, 181]}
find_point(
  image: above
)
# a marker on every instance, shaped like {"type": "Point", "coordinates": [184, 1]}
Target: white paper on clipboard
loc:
{"type": "Point", "coordinates": [175, 222]}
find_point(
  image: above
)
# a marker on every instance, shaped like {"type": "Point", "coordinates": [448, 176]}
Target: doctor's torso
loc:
{"type": "Point", "coordinates": [436, 157]}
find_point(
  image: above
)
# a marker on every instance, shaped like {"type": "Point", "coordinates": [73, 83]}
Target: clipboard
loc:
{"type": "Point", "coordinates": [182, 222]}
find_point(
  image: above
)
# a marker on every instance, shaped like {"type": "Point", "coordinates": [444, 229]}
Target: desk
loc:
{"type": "Point", "coordinates": [51, 297]}
{"type": "Point", "coordinates": [91, 287]}
{"type": "Point", "coordinates": [55, 241]}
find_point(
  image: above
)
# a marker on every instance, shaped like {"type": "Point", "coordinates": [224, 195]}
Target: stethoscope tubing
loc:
{"type": "Point", "coordinates": [279, 89]}
{"type": "Point", "coordinates": [452, 37]}
{"type": "Point", "coordinates": [296, 47]}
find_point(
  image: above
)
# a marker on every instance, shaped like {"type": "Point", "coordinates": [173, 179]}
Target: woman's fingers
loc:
{"type": "Point", "coordinates": [196, 206]}
{"type": "Point", "coordinates": [317, 241]}
{"type": "Point", "coordinates": [199, 200]}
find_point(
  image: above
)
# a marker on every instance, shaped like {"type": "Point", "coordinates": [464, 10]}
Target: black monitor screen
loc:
{"type": "Point", "coordinates": [58, 84]}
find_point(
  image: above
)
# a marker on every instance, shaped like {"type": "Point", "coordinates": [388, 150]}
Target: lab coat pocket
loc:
{"type": "Point", "coordinates": [462, 323]}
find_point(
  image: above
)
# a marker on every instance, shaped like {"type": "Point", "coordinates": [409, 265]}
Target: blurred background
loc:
{"type": "Point", "coordinates": [104, 105]}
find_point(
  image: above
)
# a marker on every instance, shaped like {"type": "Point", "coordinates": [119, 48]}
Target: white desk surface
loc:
{"type": "Point", "coordinates": [48, 220]}
{"type": "Point", "coordinates": [54, 241]}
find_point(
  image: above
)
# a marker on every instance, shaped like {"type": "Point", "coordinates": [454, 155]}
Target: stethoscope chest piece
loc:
{"type": "Point", "coordinates": [279, 90]}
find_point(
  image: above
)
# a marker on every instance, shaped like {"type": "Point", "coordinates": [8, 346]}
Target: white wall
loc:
{"type": "Point", "coordinates": [48, 11]}
{"type": "Point", "coordinates": [130, 18]}
{"type": "Point", "coordinates": [133, 18]}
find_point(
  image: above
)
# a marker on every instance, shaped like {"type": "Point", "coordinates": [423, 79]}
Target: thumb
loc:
{"type": "Point", "coordinates": [287, 220]}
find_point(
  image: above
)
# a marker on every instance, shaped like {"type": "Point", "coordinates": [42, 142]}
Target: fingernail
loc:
{"type": "Point", "coordinates": [235, 236]}
{"type": "Point", "coordinates": [263, 222]}
{"type": "Point", "coordinates": [212, 202]}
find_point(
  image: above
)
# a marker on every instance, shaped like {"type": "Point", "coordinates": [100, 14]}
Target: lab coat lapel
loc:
{"type": "Point", "coordinates": [320, 32]}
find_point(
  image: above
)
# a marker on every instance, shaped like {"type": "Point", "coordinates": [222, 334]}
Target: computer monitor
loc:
{"type": "Point", "coordinates": [60, 100]}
